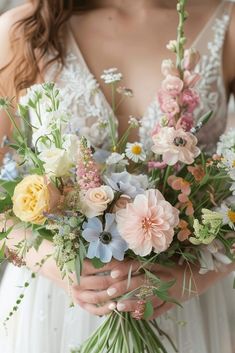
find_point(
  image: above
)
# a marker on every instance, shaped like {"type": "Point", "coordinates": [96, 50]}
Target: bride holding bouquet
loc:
{"type": "Point", "coordinates": [71, 43]}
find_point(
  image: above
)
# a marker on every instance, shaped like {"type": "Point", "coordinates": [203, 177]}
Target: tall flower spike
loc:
{"type": "Point", "coordinates": [88, 175]}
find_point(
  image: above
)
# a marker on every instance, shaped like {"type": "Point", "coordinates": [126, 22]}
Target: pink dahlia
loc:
{"type": "Point", "coordinates": [175, 146]}
{"type": "Point", "coordinates": [148, 223]}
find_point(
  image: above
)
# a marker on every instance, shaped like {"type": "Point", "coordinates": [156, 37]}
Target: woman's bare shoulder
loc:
{"type": "Point", "coordinates": [9, 52]}
{"type": "Point", "coordinates": [7, 22]}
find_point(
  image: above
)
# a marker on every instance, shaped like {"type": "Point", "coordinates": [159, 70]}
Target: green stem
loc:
{"type": "Point", "coordinates": [14, 124]}
{"type": "Point", "coordinates": [167, 174]}
{"type": "Point", "coordinates": [180, 35]}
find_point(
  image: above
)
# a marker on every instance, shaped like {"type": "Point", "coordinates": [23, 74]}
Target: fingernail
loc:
{"type": "Point", "coordinates": [121, 306]}
{"type": "Point", "coordinates": [111, 291]}
{"type": "Point", "coordinates": [115, 274]}
{"type": "Point", "coordinates": [112, 306]}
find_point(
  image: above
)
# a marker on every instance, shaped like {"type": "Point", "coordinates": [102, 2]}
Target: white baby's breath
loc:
{"type": "Point", "coordinates": [134, 122]}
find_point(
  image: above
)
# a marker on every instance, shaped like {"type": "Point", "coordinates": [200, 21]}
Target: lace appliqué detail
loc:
{"type": "Point", "coordinates": [211, 86]}
{"type": "Point", "coordinates": [82, 98]}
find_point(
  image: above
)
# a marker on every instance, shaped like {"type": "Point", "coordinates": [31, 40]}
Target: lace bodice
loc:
{"type": "Point", "coordinates": [89, 107]}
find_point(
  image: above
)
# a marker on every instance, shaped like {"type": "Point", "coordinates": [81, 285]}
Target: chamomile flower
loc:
{"type": "Point", "coordinates": [135, 152]}
{"type": "Point", "coordinates": [111, 76]}
{"type": "Point", "coordinates": [228, 215]}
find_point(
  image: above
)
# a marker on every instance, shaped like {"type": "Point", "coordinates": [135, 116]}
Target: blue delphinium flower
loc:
{"type": "Point", "coordinates": [105, 242]}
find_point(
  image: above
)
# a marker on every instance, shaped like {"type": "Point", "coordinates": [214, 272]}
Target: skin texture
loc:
{"type": "Point", "coordinates": [131, 36]}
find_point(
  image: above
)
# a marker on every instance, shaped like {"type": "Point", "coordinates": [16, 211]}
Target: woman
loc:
{"type": "Point", "coordinates": [88, 37]}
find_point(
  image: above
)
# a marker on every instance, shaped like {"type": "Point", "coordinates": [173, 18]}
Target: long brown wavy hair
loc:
{"type": "Point", "coordinates": [38, 34]}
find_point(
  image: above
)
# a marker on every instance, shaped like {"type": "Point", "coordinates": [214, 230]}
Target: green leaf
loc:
{"type": "Point", "coordinates": [79, 260]}
{"type": "Point", "coordinates": [2, 252]}
{"type": "Point", "coordinates": [4, 235]}
{"type": "Point", "coordinates": [97, 263]}
{"type": "Point", "coordinates": [148, 310]}
{"type": "Point", "coordinates": [5, 203]}
{"type": "Point", "coordinates": [42, 231]}
{"type": "Point", "coordinates": [9, 186]}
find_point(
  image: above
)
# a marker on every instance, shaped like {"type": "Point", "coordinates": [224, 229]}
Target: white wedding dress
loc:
{"type": "Point", "coordinates": [45, 323]}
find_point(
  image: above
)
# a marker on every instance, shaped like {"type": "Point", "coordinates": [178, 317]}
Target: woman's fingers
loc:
{"type": "Point", "coordinates": [132, 304]}
{"type": "Point", "coordinates": [101, 310]}
{"type": "Point", "coordinates": [116, 290]}
{"type": "Point", "coordinates": [117, 269]}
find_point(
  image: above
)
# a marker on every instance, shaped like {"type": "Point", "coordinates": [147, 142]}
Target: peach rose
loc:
{"type": "Point", "coordinates": [94, 202]}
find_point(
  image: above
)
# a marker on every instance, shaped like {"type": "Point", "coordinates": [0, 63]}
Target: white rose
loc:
{"type": "Point", "coordinates": [56, 162]}
{"type": "Point", "coordinates": [95, 201]}
{"type": "Point", "coordinates": [71, 145]}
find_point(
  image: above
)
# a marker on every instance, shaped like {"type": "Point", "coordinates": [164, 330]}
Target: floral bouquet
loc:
{"type": "Point", "coordinates": [170, 204]}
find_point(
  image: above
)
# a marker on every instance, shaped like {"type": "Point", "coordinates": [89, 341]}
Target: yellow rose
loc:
{"type": "Point", "coordinates": [33, 196]}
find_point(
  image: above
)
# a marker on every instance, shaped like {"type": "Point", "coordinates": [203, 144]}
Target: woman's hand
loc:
{"type": "Point", "coordinates": [182, 275]}
{"type": "Point", "coordinates": [98, 288]}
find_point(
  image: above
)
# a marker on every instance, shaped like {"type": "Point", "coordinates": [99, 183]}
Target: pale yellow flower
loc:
{"type": "Point", "coordinates": [33, 197]}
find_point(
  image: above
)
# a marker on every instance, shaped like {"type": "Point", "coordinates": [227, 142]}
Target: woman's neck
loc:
{"type": "Point", "coordinates": [137, 5]}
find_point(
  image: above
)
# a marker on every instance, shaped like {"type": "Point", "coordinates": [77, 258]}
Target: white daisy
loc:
{"type": "Point", "coordinates": [111, 76]}
{"type": "Point", "coordinates": [135, 152]}
{"type": "Point", "coordinates": [228, 215]}
{"type": "Point", "coordinates": [229, 161]}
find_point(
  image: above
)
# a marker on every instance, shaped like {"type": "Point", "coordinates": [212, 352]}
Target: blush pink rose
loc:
{"type": "Point", "coordinates": [175, 146]}
{"type": "Point", "coordinates": [148, 223]}
{"type": "Point", "coordinates": [189, 99]}
{"type": "Point", "coordinates": [168, 104]}
{"type": "Point", "coordinates": [94, 201]}
{"type": "Point", "coordinates": [172, 85]}
{"type": "Point", "coordinates": [191, 59]}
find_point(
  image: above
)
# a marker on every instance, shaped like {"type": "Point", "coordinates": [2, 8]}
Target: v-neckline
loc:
{"type": "Point", "coordinates": [154, 100]}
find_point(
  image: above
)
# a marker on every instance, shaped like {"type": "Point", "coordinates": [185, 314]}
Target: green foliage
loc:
{"type": "Point", "coordinates": [79, 260]}
{"type": "Point", "coordinates": [148, 310]}
{"type": "Point", "coordinates": [97, 263]}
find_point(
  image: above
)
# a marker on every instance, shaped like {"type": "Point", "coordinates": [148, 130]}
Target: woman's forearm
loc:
{"type": "Point", "coordinates": [33, 258]}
